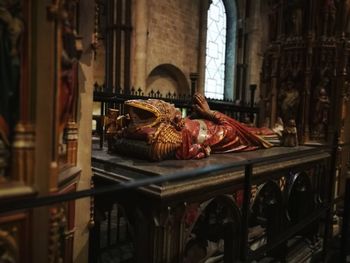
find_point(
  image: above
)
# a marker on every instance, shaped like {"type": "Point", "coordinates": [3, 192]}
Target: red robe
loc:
{"type": "Point", "coordinates": [223, 135]}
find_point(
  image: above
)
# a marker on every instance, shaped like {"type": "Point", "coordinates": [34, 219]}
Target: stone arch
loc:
{"type": "Point", "coordinates": [167, 78]}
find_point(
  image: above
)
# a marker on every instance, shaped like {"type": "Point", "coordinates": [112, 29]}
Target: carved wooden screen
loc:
{"type": "Point", "coordinates": [65, 173]}
{"type": "Point", "coordinates": [16, 130]}
{"type": "Point", "coordinates": [67, 53]}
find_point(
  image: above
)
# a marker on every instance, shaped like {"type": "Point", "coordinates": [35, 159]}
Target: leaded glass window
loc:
{"type": "Point", "coordinates": [215, 51]}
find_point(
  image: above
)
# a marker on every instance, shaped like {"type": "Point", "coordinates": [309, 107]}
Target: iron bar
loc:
{"type": "Point", "coordinates": [179, 102]}
{"type": "Point", "coordinates": [118, 216]}
{"type": "Point", "coordinates": [246, 210]}
{"type": "Point", "coordinates": [101, 125]}
{"type": "Point", "coordinates": [252, 88]}
{"type": "Point", "coordinates": [109, 223]}
{"type": "Point", "coordinates": [330, 194]}
{"type": "Point", "coordinates": [345, 242]}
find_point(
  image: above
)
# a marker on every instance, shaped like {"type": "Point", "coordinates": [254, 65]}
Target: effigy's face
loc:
{"type": "Point", "coordinates": [150, 113]}
{"type": "Point", "coordinates": [142, 114]}
{"type": "Point", "coordinates": [152, 130]}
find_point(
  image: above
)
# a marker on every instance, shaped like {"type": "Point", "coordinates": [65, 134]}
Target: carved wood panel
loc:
{"type": "Point", "coordinates": [14, 238]}
{"type": "Point", "coordinates": [16, 130]}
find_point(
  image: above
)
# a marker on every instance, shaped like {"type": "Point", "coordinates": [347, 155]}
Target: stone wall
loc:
{"type": "Point", "coordinates": [169, 32]}
{"type": "Point", "coordinates": [256, 28]}
{"type": "Point", "coordinates": [172, 35]}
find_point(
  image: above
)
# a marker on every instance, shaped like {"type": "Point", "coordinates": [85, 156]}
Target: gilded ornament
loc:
{"type": "Point", "coordinates": [9, 252]}
{"type": "Point", "coordinates": [156, 130]}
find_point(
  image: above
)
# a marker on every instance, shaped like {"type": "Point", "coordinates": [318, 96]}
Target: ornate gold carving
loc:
{"type": "Point", "coordinates": [95, 44]}
{"type": "Point", "coordinates": [23, 153]}
{"type": "Point", "coordinates": [58, 231]}
{"type": "Point", "coordinates": [69, 234]}
{"type": "Point", "coordinates": [110, 121]}
{"type": "Point", "coordinates": [8, 247]}
{"type": "Point", "coordinates": [165, 140]}
{"type": "Point", "coordinates": [163, 112]}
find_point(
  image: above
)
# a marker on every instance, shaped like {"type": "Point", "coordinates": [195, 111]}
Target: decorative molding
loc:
{"type": "Point", "coordinates": [9, 252]}
{"type": "Point", "coordinates": [23, 153]}
{"type": "Point", "coordinates": [57, 235]}
{"type": "Point", "coordinates": [72, 142]}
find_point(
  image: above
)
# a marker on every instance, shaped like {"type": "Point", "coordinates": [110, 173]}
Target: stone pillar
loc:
{"type": "Point", "coordinates": [254, 61]}
{"type": "Point", "coordinates": [203, 14]}
{"type": "Point", "coordinates": [194, 80]}
{"type": "Point", "coordinates": [140, 35]}
{"type": "Point", "coordinates": [230, 50]}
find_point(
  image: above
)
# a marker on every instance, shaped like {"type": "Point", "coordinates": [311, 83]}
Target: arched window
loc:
{"type": "Point", "coordinates": [220, 49]}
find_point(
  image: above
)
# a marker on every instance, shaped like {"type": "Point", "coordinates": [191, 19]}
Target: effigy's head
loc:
{"type": "Point", "coordinates": [151, 113]}
{"type": "Point", "coordinates": [153, 130]}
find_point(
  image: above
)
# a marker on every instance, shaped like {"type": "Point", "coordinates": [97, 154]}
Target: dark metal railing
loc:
{"type": "Point", "coordinates": [246, 255]}
{"type": "Point", "coordinates": [244, 112]}
{"type": "Point", "coordinates": [323, 211]}
{"type": "Point", "coordinates": [231, 108]}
